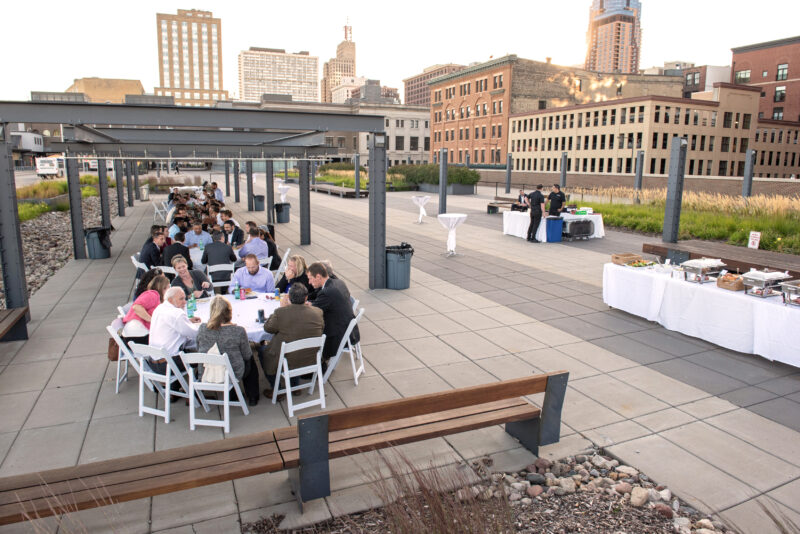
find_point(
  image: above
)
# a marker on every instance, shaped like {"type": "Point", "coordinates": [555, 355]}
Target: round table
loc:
{"type": "Point", "coordinates": [283, 190]}
{"type": "Point", "coordinates": [451, 221]}
{"type": "Point", "coordinates": [421, 200]}
{"type": "Point", "coordinates": [245, 313]}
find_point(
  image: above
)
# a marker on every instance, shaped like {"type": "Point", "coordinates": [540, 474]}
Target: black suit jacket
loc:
{"type": "Point", "coordinates": [334, 301]}
{"type": "Point", "coordinates": [235, 238]}
{"type": "Point", "coordinates": [150, 255]}
{"type": "Point", "coordinates": [176, 249]}
{"type": "Point", "coordinates": [218, 253]}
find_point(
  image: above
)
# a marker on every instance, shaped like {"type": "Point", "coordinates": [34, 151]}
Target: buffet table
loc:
{"type": "Point", "coordinates": [245, 313]}
{"type": "Point", "coordinates": [516, 223]}
{"type": "Point", "coordinates": [730, 319]}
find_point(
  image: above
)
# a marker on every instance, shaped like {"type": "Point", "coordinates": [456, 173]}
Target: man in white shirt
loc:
{"type": "Point", "coordinates": [170, 327]}
{"type": "Point", "coordinates": [217, 192]}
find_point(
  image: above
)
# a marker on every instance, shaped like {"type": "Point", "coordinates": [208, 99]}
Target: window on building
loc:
{"type": "Point", "coordinates": [656, 117]}
{"type": "Point", "coordinates": [744, 144]}
{"type": "Point", "coordinates": [777, 114]}
{"type": "Point", "coordinates": [780, 93]}
{"type": "Point", "coordinates": [499, 130]}
{"type": "Point", "coordinates": [542, 104]}
{"type": "Point", "coordinates": [427, 144]}
{"type": "Point", "coordinates": [742, 76]}
{"type": "Point", "coordinates": [727, 120]}
{"type": "Point", "coordinates": [494, 107]}
{"type": "Point", "coordinates": [783, 72]}
{"type": "Point", "coordinates": [483, 132]}
{"type": "Point", "coordinates": [723, 168]}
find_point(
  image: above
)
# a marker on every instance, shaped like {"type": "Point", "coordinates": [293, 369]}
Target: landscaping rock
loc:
{"type": "Point", "coordinates": [666, 494]}
{"type": "Point", "coordinates": [533, 478]}
{"type": "Point", "coordinates": [663, 509]}
{"type": "Point", "coordinates": [702, 523]}
{"type": "Point", "coordinates": [515, 495]}
{"type": "Point", "coordinates": [630, 471]}
{"type": "Point", "coordinates": [638, 496]}
{"type": "Point", "coordinates": [622, 487]}
{"type": "Point", "coordinates": [533, 491]}
{"type": "Point", "coordinates": [542, 464]}
{"type": "Point", "coordinates": [566, 484]}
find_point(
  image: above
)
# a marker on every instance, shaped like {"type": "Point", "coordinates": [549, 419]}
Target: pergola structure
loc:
{"type": "Point", "coordinates": [126, 133]}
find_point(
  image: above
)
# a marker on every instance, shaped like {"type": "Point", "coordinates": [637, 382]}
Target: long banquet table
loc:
{"type": "Point", "coordinates": [516, 223]}
{"type": "Point", "coordinates": [245, 313]}
{"type": "Point", "coordinates": [730, 319]}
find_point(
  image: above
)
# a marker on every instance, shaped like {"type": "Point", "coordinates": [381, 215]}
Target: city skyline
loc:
{"type": "Point", "coordinates": [390, 54]}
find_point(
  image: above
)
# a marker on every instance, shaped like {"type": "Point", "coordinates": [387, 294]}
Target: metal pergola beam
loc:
{"type": "Point", "coordinates": [270, 201]}
{"type": "Point", "coordinates": [377, 211]}
{"type": "Point", "coordinates": [156, 136]}
{"type": "Point", "coordinates": [11, 258]}
{"type": "Point", "coordinates": [194, 152]}
{"type": "Point", "coordinates": [75, 209]}
{"type": "Point", "coordinates": [304, 179]}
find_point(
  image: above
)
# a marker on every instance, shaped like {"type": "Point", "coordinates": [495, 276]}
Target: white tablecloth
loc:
{"type": "Point", "coordinates": [196, 254]}
{"type": "Point", "coordinates": [245, 314]}
{"type": "Point", "coordinates": [451, 221]}
{"type": "Point", "coordinates": [421, 200]}
{"type": "Point", "coordinates": [729, 319]}
{"type": "Point", "coordinates": [283, 190]}
{"type": "Point", "coordinates": [516, 223]}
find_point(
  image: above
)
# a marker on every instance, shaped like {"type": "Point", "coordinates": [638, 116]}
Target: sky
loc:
{"type": "Point", "coordinates": [49, 43]}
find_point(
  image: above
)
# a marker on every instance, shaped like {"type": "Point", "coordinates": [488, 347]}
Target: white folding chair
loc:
{"type": "Point", "coordinates": [169, 270]}
{"type": "Point", "coordinates": [138, 264]}
{"type": "Point", "coordinates": [229, 382]}
{"type": "Point", "coordinates": [347, 346]}
{"type": "Point", "coordinates": [222, 267]}
{"type": "Point", "coordinates": [125, 356]}
{"type": "Point", "coordinates": [354, 303]}
{"type": "Point", "coordinates": [265, 262]}
{"type": "Point", "coordinates": [282, 267]}
{"type": "Point", "coordinates": [288, 374]}
{"type": "Point", "coordinates": [159, 213]}
{"type": "Point", "coordinates": [123, 310]}
{"type": "Point", "coordinates": [162, 383]}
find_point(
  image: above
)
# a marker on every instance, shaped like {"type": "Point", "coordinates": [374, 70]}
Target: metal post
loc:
{"type": "Point", "coordinates": [11, 258]}
{"type": "Point", "coordinates": [76, 209]}
{"type": "Point", "coordinates": [677, 166]}
{"type": "Point", "coordinates": [270, 191]}
{"type": "Point", "coordinates": [305, 203]}
{"type": "Point", "coordinates": [508, 174]}
{"type": "Point", "coordinates": [102, 186]}
{"type": "Point", "coordinates": [136, 192]}
{"type": "Point", "coordinates": [120, 187]}
{"type": "Point", "coordinates": [236, 180]}
{"type": "Point", "coordinates": [443, 180]}
{"type": "Point", "coordinates": [248, 169]}
{"type": "Point", "coordinates": [637, 184]}
{"type": "Point", "coordinates": [313, 172]}
{"type": "Point", "coordinates": [158, 169]}
{"type": "Point", "coordinates": [227, 178]}
{"type": "Point", "coordinates": [377, 210]}
{"type": "Point", "coordinates": [129, 182]}
{"type": "Point", "coordinates": [563, 181]}
{"type": "Point", "coordinates": [286, 170]}
{"type": "Point", "coordinates": [357, 174]}
{"type": "Point", "coordinates": [749, 164]}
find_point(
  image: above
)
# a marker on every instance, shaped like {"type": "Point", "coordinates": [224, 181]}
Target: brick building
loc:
{"type": "Point", "coordinates": [417, 92]}
{"type": "Point", "coordinates": [702, 78]}
{"type": "Point", "coordinates": [106, 90]}
{"type": "Point", "coordinates": [774, 67]}
{"type": "Point", "coordinates": [603, 138]}
{"type": "Point", "coordinates": [470, 108]}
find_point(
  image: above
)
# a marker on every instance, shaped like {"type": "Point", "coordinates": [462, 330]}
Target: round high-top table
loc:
{"type": "Point", "coordinates": [421, 200]}
{"type": "Point", "coordinates": [283, 190]}
{"type": "Point", "coordinates": [245, 313]}
{"type": "Point", "coordinates": [451, 221]}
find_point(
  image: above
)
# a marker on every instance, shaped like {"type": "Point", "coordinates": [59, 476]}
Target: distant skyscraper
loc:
{"type": "Point", "coordinates": [190, 57]}
{"type": "Point", "coordinates": [344, 64]}
{"type": "Point", "coordinates": [273, 71]}
{"type": "Point", "coordinates": [615, 36]}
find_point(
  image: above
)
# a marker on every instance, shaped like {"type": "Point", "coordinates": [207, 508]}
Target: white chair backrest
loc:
{"type": "Point", "coordinates": [282, 266]}
{"type": "Point", "coordinates": [153, 353]}
{"type": "Point", "coordinates": [168, 270]}
{"type": "Point", "coordinates": [265, 262]}
{"type": "Point", "coordinates": [300, 344]}
{"type": "Point", "coordinates": [138, 264]}
{"type": "Point", "coordinates": [124, 309]}
{"type": "Point", "coordinates": [354, 303]}
{"type": "Point", "coordinates": [113, 330]}
{"type": "Point", "coordinates": [194, 358]}
{"type": "Point", "coordinates": [353, 322]}
{"type": "Point", "coordinates": [220, 267]}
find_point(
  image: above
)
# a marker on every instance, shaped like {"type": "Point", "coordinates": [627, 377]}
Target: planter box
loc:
{"type": "Point", "coordinates": [452, 189]}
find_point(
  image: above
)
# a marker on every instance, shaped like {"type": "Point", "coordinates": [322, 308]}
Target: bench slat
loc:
{"type": "Point", "coordinates": [419, 432]}
{"type": "Point", "coordinates": [8, 318]}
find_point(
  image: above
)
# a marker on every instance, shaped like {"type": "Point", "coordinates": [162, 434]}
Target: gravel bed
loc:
{"type": "Point", "coordinates": [47, 242]}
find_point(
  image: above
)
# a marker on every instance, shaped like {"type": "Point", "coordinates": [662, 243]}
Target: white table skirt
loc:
{"type": "Point", "coordinates": [451, 221]}
{"type": "Point", "coordinates": [729, 319]}
{"type": "Point", "coordinates": [282, 191]}
{"type": "Point", "coordinates": [516, 223]}
{"type": "Point", "coordinates": [245, 314]}
{"type": "Point", "coordinates": [421, 200]}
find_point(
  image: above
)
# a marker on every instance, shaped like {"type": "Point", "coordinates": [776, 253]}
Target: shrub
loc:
{"type": "Point", "coordinates": [89, 191]}
{"type": "Point", "coordinates": [29, 211]}
{"type": "Point", "coordinates": [429, 174]}
{"type": "Point", "coordinates": [43, 190]}
{"type": "Point", "coordinates": [62, 206]}
{"type": "Point", "coordinates": [339, 166]}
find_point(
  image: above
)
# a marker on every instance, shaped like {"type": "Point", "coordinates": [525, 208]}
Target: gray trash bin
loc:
{"type": "Point", "coordinates": [98, 243]}
{"type": "Point", "coordinates": [282, 210]}
{"type": "Point", "coordinates": [258, 202]}
{"type": "Point", "coordinates": [144, 192]}
{"type": "Point", "coordinates": [398, 266]}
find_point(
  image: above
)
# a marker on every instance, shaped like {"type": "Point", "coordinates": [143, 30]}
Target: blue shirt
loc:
{"type": "Point", "coordinates": [194, 239]}
{"type": "Point", "coordinates": [174, 229]}
{"type": "Point", "coordinates": [255, 246]}
{"type": "Point", "coordinates": [262, 281]}
{"type": "Point", "coordinates": [218, 195]}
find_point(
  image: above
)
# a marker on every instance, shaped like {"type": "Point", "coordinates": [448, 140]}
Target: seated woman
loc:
{"type": "Point", "coordinates": [145, 280]}
{"type": "Point", "coordinates": [231, 340]}
{"type": "Point", "coordinates": [193, 282]}
{"type": "Point", "coordinates": [273, 249]}
{"type": "Point", "coordinates": [295, 274]}
{"type": "Point", "coordinates": [137, 320]}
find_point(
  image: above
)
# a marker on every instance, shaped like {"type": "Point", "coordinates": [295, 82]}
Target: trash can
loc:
{"type": "Point", "coordinates": [398, 266]}
{"type": "Point", "coordinates": [98, 242]}
{"type": "Point", "coordinates": [554, 228]}
{"type": "Point", "coordinates": [144, 192]}
{"type": "Point", "coordinates": [282, 210]}
{"type": "Point", "coordinates": [258, 202]}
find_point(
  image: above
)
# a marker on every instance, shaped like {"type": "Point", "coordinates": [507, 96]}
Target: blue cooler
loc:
{"type": "Point", "coordinates": [554, 228]}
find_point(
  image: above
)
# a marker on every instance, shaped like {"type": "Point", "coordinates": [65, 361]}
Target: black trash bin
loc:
{"type": "Point", "coordinates": [98, 242]}
{"type": "Point", "coordinates": [258, 202]}
{"type": "Point", "coordinates": [398, 266]}
{"type": "Point", "coordinates": [282, 210]}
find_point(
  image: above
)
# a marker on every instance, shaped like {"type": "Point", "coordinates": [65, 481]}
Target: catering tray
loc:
{"type": "Point", "coordinates": [791, 292]}
{"type": "Point", "coordinates": [625, 257]}
{"type": "Point", "coordinates": [701, 270]}
{"type": "Point", "coordinates": [764, 283]}
{"type": "Point", "coordinates": [731, 282]}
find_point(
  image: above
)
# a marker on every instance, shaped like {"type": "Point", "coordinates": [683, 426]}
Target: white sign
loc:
{"type": "Point", "coordinates": [755, 239]}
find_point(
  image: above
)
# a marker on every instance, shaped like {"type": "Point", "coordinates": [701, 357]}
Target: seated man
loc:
{"type": "Point", "coordinates": [333, 299]}
{"type": "Point", "coordinates": [171, 329]}
{"type": "Point", "coordinates": [253, 276]}
{"type": "Point", "coordinates": [227, 215]}
{"type": "Point", "coordinates": [218, 253]}
{"type": "Point", "coordinates": [520, 204]}
{"type": "Point", "coordinates": [177, 248]}
{"type": "Point", "coordinates": [234, 236]}
{"type": "Point", "coordinates": [254, 245]}
{"type": "Point", "coordinates": [291, 322]}
{"type": "Point", "coordinates": [197, 236]}
{"type": "Point", "coordinates": [172, 195]}
{"type": "Point", "coordinates": [150, 254]}
{"type": "Point", "coordinates": [217, 192]}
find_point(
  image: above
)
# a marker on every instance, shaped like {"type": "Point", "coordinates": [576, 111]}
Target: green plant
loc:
{"type": "Point", "coordinates": [43, 190]}
{"type": "Point", "coordinates": [28, 211]}
{"type": "Point", "coordinates": [339, 166]}
{"type": "Point", "coordinates": [89, 191]}
{"type": "Point", "coordinates": [429, 174]}
{"type": "Point", "coordinates": [61, 206]}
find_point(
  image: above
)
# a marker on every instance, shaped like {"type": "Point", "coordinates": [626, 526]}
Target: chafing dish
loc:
{"type": "Point", "coordinates": [763, 283]}
{"type": "Point", "coordinates": [701, 270]}
{"type": "Point", "coordinates": [791, 292]}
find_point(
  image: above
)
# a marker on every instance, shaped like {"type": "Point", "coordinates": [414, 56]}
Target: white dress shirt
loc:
{"type": "Point", "coordinates": [170, 328]}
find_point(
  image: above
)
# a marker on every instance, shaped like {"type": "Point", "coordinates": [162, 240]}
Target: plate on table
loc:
{"type": "Point", "coordinates": [640, 264]}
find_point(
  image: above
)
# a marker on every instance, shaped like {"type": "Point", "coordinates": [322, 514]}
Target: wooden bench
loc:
{"type": "Point", "coordinates": [304, 449]}
{"type": "Point", "coordinates": [343, 192]}
{"type": "Point", "coordinates": [734, 257]}
{"type": "Point", "coordinates": [14, 324]}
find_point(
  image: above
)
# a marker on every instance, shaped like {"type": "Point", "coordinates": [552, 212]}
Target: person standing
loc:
{"type": "Point", "coordinates": [536, 202]}
{"type": "Point", "coordinates": [557, 201]}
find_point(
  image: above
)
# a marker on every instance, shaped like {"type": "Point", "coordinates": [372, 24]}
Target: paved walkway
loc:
{"type": "Point", "coordinates": [719, 428]}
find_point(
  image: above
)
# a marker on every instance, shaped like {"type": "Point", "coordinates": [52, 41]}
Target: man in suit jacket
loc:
{"type": "Point", "coordinates": [333, 299]}
{"type": "Point", "coordinates": [218, 253]}
{"type": "Point", "coordinates": [150, 254]}
{"type": "Point", "coordinates": [175, 249]}
{"type": "Point", "coordinates": [234, 236]}
{"type": "Point", "coordinates": [291, 322]}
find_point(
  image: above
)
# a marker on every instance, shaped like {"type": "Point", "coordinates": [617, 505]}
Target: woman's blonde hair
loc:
{"type": "Point", "coordinates": [299, 264]}
{"type": "Point", "coordinates": [160, 283]}
{"type": "Point", "coordinates": [178, 259]}
{"type": "Point", "coordinates": [221, 312]}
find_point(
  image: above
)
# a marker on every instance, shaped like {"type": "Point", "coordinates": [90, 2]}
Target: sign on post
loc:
{"type": "Point", "coordinates": [755, 239]}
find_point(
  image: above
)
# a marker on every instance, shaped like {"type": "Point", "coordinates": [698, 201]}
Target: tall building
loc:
{"type": "Point", "coordinates": [373, 92]}
{"type": "Point", "coordinates": [344, 90]}
{"type": "Point", "coordinates": [417, 92]}
{"type": "Point", "coordinates": [615, 36]}
{"type": "Point", "coordinates": [344, 64]}
{"type": "Point", "coordinates": [106, 90]}
{"type": "Point", "coordinates": [773, 67]}
{"type": "Point", "coordinates": [273, 71]}
{"type": "Point", "coordinates": [190, 57]}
